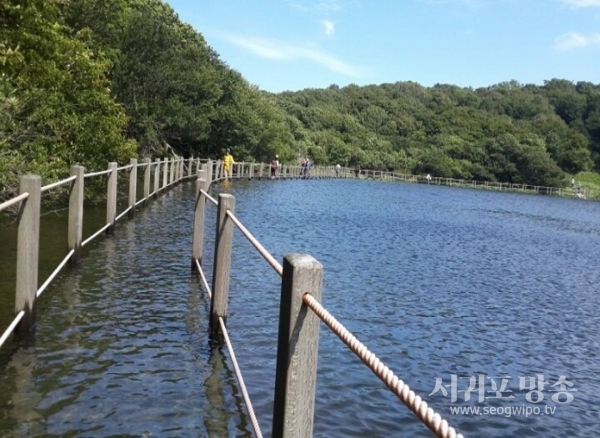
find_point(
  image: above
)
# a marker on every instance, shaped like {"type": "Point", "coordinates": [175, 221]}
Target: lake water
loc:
{"type": "Point", "coordinates": [446, 286]}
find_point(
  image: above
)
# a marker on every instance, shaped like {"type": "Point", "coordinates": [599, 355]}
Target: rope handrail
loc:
{"type": "Point", "coordinates": [240, 379]}
{"type": "Point", "coordinates": [102, 172]}
{"type": "Point", "coordinates": [128, 166]}
{"type": "Point", "coordinates": [11, 327]}
{"type": "Point", "coordinates": [236, 367]}
{"type": "Point", "coordinates": [54, 274]}
{"type": "Point", "coordinates": [58, 183]}
{"type": "Point", "coordinates": [96, 234]}
{"type": "Point", "coordinates": [210, 198]}
{"type": "Point", "coordinates": [263, 252]}
{"type": "Point", "coordinates": [414, 402]}
{"type": "Point", "coordinates": [122, 214]}
{"type": "Point", "coordinates": [14, 200]}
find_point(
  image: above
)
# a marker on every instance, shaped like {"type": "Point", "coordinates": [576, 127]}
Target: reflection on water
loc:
{"type": "Point", "coordinates": [436, 281]}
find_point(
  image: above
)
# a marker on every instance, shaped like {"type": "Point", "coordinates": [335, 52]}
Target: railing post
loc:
{"type": "Point", "coordinates": [74, 237]}
{"type": "Point", "coordinates": [260, 171]}
{"type": "Point", "coordinates": [132, 186]}
{"type": "Point", "coordinates": [240, 170]}
{"type": "Point", "coordinates": [28, 244]}
{"type": "Point", "coordinates": [111, 198]}
{"type": "Point", "coordinates": [190, 165]}
{"type": "Point", "coordinates": [222, 262]}
{"type": "Point", "coordinates": [209, 172]}
{"type": "Point", "coordinates": [251, 171]}
{"type": "Point", "coordinates": [156, 176]}
{"type": "Point", "coordinates": [198, 238]}
{"type": "Point", "coordinates": [172, 173]}
{"type": "Point", "coordinates": [165, 173]}
{"type": "Point", "coordinates": [297, 348]}
{"type": "Point", "coordinates": [147, 162]}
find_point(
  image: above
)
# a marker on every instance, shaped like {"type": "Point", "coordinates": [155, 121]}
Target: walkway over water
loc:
{"type": "Point", "coordinates": [122, 346]}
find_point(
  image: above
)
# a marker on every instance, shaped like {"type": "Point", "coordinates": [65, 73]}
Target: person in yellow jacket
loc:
{"type": "Point", "coordinates": [228, 163]}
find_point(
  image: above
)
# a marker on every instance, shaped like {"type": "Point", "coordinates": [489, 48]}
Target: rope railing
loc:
{"type": "Point", "coordinates": [261, 249]}
{"type": "Point", "coordinates": [102, 172]}
{"type": "Point", "coordinates": [210, 198]}
{"type": "Point", "coordinates": [11, 327]}
{"type": "Point", "coordinates": [96, 234]}
{"type": "Point", "coordinates": [240, 379]}
{"type": "Point", "coordinates": [13, 201]}
{"type": "Point", "coordinates": [54, 274]}
{"type": "Point", "coordinates": [414, 402]}
{"type": "Point", "coordinates": [58, 183]}
{"type": "Point", "coordinates": [127, 166]}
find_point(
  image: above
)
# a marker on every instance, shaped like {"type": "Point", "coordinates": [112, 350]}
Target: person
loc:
{"type": "Point", "coordinates": [338, 168]}
{"type": "Point", "coordinates": [228, 163]}
{"type": "Point", "coordinates": [274, 167]}
{"type": "Point", "coordinates": [357, 170]}
{"type": "Point", "coordinates": [303, 168]}
{"type": "Point", "coordinates": [428, 178]}
{"type": "Point", "coordinates": [307, 168]}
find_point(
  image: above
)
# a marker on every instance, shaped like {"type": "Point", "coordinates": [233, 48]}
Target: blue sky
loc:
{"type": "Point", "coordinates": [283, 45]}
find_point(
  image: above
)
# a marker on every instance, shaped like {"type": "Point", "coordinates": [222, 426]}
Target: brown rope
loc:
{"type": "Point", "coordinates": [414, 402]}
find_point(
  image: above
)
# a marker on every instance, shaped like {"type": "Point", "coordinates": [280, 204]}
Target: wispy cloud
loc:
{"type": "Point", "coordinates": [329, 27]}
{"type": "Point", "coordinates": [325, 7]}
{"type": "Point", "coordinates": [578, 4]}
{"type": "Point", "coordinates": [575, 40]}
{"type": "Point", "coordinates": [277, 50]}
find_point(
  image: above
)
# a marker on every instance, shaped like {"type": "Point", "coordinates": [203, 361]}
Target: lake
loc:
{"type": "Point", "coordinates": [476, 299]}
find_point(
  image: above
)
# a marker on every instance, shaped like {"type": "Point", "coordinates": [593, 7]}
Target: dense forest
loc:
{"type": "Point", "coordinates": [87, 82]}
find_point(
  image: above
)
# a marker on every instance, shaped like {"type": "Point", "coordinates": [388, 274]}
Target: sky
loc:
{"type": "Point", "coordinates": [281, 45]}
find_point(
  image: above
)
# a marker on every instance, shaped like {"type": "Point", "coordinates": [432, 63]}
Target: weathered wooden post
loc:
{"type": "Point", "coordinates": [165, 173]}
{"type": "Point", "coordinates": [132, 187]}
{"type": "Point", "coordinates": [74, 237]}
{"type": "Point", "coordinates": [198, 237]}
{"type": "Point", "coordinates": [190, 165]}
{"type": "Point", "coordinates": [260, 171]}
{"type": "Point", "coordinates": [209, 172]}
{"type": "Point", "coordinates": [156, 177]}
{"type": "Point", "coordinates": [111, 198]}
{"type": "Point", "coordinates": [240, 170]}
{"type": "Point", "coordinates": [172, 171]}
{"type": "Point", "coordinates": [251, 171]}
{"type": "Point", "coordinates": [297, 348]}
{"type": "Point", "coordinates": [222, 262]}
{"type": "Point", "coordinates": [147, 162]}
{"type": "Point", "coordinates": [28, 244]}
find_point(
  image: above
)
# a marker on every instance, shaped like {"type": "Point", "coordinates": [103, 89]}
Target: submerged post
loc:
{"type": "Point", "coordinates": [198, 238]}
{"type": "Point", "coordinates": [222, 262]}
{"type": "Point", "coordinates": [165, 173]}
{"type": "Point", "coordinates": [132, 186]}
{"type": "Point", "coordinates": [111, 198]}
{"type": "Point", "coordinates": [297, 348]}
{"type": "Point", "coordinates": [76, 215]}
{"type": "Point", "coordinates": [209, 172]}
{"type": "Point", "coordinates": [28, 244]}
{"type": "Point", "coordinates": [156, 177]}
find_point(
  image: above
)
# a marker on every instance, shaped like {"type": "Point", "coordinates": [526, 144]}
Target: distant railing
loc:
{"type": "Point", "coordinates": [298, 339]}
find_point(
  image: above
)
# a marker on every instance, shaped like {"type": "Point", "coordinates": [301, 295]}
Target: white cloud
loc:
{"type": "Point", "coordinates": [283, 51]}
{"type": "Point", "coordinates": [329, 27]}
{"type": "Point", "coordinates": [575, 40]}
{"type": "Point", "coordinates": [577, 4]}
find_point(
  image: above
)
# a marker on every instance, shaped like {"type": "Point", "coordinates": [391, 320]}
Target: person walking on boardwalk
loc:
{"type": "Point", "coordinates": [228, 163]}
{"type": "Point", "coordinates": [274, 167]}
{"type": "Point", "coordinates": [338, 168]}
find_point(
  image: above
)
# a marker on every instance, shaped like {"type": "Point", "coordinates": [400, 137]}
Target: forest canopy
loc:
{"type": "Point", "coordinates": [86, 82]}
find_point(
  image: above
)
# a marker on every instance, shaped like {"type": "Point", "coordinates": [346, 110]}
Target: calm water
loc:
{"type": "Point", "coordinates": [438, 282]}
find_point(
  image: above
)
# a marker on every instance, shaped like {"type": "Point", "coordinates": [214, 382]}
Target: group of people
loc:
{"type": "Point", "coordinates": [228, 163]}
{"type": "Point", "coordinates": [305, 167]}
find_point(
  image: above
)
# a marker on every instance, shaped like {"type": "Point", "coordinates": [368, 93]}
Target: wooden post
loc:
{"type": "Point", "coordinates": [132, 186]}
{"type": "Point", "coordinates": [156, 177]}
{"type": "Point", "coordinates": [147, 162]}
{"type": "Point", "coordinates": [165, 173]}
{"type": "Point", "coordinates": [190, 165]}
{"type": "Point", "coordinates": [222, 262]}
{"type": "Point", "coordinates": [251, 171]}
{"type": "Point", "coordinates": [297, 348]}
{"type": "Point", "coordinates": [76, 215]}
{"type": "Point", "coordinates": [111, 198]}
{"type": "Point", "coordinates": [209, 172]}
{"type": "Point", "coordinates": [239, 170]}
{"type": "Point", "coordinates": [28, 244]}
{"type": "Point", "coordinates": [172, 172]}
{"type": "Point", "coordinates": [260, 171]}
{"type": "Point", "coordinates": [198, 238]}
